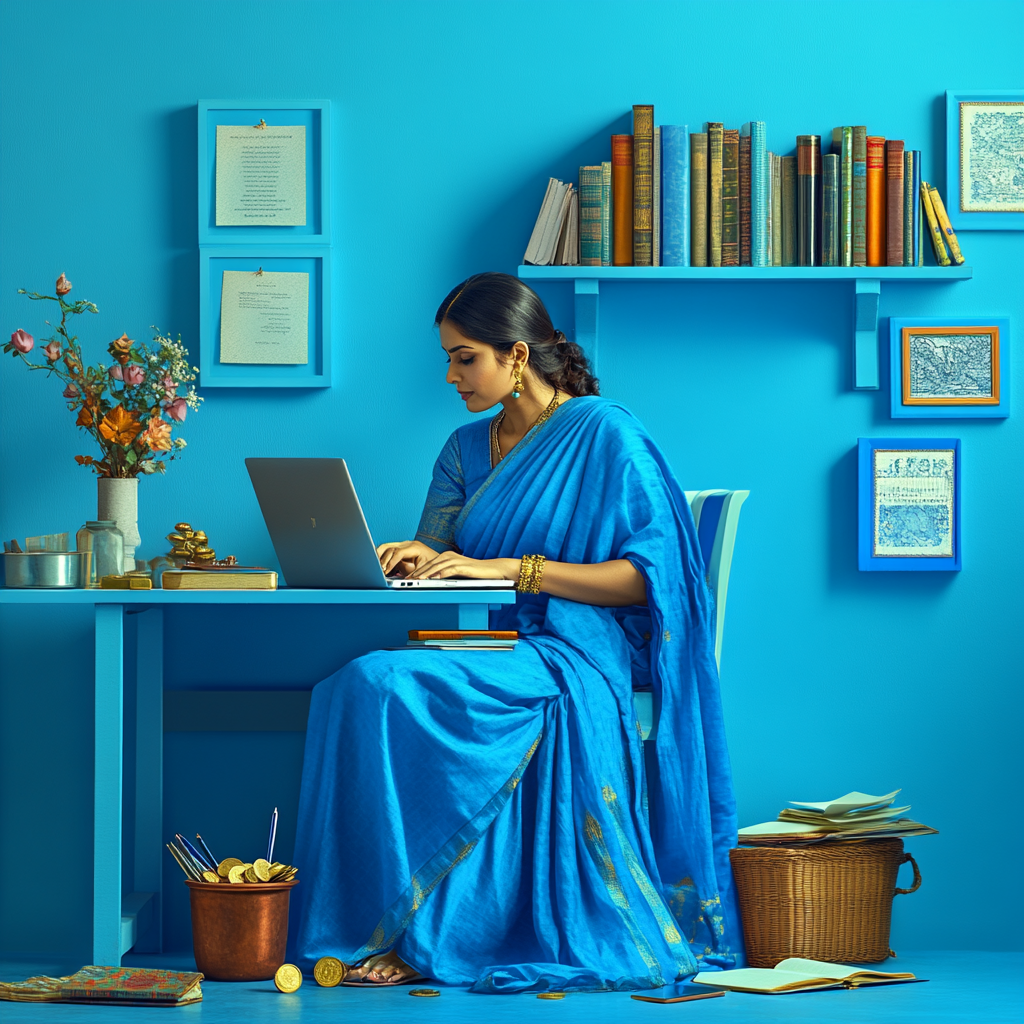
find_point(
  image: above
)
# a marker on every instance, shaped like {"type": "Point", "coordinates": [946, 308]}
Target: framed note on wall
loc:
{"type": "Point", "coordinates": [985, 159]}
{"type": "Point", "coordinates": [265, 316]}
{"type": "Point", "coordinates": [264, 172]}
{"type": "Point", "coordinates": [908, 504]}
{"type": "Point", "coordinates": [949, 367]}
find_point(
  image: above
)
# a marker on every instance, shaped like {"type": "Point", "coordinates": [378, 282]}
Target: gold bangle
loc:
{"type": "Point", "coordinates": [531, 572]}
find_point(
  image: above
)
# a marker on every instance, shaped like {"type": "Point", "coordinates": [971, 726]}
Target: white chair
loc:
{"type": "Point", "coordinates": [717, 514]}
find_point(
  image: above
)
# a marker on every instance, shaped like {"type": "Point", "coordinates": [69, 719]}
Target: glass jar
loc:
{"type": "Point", "coordinates": [106, 542]}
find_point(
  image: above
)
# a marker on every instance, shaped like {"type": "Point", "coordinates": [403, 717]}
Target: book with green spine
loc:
{"type": "Point", "coordinates": [731, 197]}
{"type": "Point", "coordinates": [831, 217]}
{"type": "Point", "coordinates": [860, 195]}
{"type": "Point", "coordinates": [715, 131]}
{"type": "Point", "coordinates": [590, 216]}
{"type": "Point", "coordinates": [845, 236]}
{"type": "Point", "coordinates": [643, 183]}
{"type": "Point", "coordinates": [698, 199]}
{"type": "Point", "coordinates": [778, 225]}
{"type": "Point", "coordinates": [908, 207]}
{"type": "Point", "coordinates": [788, 213]}
{"type": "Point", "coordinates": [606, 213]}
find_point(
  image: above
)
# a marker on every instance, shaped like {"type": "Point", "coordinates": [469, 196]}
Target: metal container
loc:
{"type": "Point", "coordinates": [239, 932]}
{"type": "Point", "coordinates": [47, 569]}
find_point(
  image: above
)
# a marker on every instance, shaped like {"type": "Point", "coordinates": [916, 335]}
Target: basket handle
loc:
{"type": "Point", "coordinates": [917, 875]}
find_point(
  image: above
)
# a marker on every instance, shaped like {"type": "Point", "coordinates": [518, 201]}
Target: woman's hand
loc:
{"type": "Point", "coordinates": [452, 563]}
{"type": "Point", "coordinates": [403, 557]}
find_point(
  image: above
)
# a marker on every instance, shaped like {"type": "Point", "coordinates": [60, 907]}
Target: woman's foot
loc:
{"type": "Point", "coordinates": [388, 968]}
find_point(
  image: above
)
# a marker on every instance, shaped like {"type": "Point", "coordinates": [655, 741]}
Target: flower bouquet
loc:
{"type": "Point", "coordinates": [131, 407]}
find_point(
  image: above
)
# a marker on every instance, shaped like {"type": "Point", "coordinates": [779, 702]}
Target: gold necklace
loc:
{"type": "Point", "coordinates": [496, 453]}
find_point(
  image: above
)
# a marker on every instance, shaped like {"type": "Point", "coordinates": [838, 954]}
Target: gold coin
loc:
{"type": "Point", "coordinates": [262, 869]}
{"type": "Point", "coordinates": [237, 874]}
{"type": "Point", "coordinates": [250, 874]}
{"type": "Point", "coordinates": [425, 992]}
{"type": "Point", "coordinates": [277, 869]}
{"type": "Point", "coordinates": [550, 995]}
{"type": "Point", "coordinates": [211, 876]}
{"type": "Point", "coordinates": [329, 971]}
{"type": "Point", "coordinates": [288, 978]}
{"type": "Point", "coordinates": [226, 865]}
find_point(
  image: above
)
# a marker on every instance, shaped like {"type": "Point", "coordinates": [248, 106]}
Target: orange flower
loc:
{"type": "Point", "coordinates": [158, 436]}
{"type": "Point", "coordinates": [84, 460]}
{"type": "Point", "coordinates": [120, 348]}
{"type": "Point", "coordinates": [120, 426]}
{"type": "Point", "coordinates": [84, 417]}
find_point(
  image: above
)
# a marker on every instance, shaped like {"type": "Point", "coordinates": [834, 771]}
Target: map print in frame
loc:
{"type": "Point", "coordinates": [950, 365]}
{"type": "Point", "coordinates": [914, 502]}
{"type": "Point", "coordinates": [991, 157]}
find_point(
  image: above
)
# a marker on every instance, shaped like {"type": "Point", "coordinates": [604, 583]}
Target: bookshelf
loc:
{"type": "Point", "coordinates": [867, 288]}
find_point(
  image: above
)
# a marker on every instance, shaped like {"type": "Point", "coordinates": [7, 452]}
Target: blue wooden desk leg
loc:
{"type": "Point", "coordinates": [106, 876]}
{"type": "Point", "coordinates": [473, 616]}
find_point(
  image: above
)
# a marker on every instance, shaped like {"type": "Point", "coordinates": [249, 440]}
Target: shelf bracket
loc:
{"type": "Point", "coordinates": [587, 296]}
{"type": "Point", "coordinates": [865, 333]}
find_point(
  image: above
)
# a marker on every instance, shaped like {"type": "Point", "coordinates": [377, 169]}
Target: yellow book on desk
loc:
{"type": "Point", "coordinates": [197, 579]}
{"type": "Point", "coordinates": [799, 975]}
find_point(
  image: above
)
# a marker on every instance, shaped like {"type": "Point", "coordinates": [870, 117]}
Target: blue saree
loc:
{"type": "Point", "coordinates": [487, 814]}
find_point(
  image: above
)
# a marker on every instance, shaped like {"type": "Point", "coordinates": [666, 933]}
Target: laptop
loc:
{"type": "Point", "coordinates": [319, 531]}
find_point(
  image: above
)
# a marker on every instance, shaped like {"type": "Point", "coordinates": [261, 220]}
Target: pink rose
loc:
{"type": "Point", "coordinates": [71, 391]}
{"type": "Point", "coordinates": [63, 285]}
{"type": "Point", "coordinates": [115, 372]}
{"type": "Point", "coordinates": [22, 340]}
{"type": "Point", "coordinates": [176, 410]}
{"type": "Point", "coordinates": [133, 375]}
{"type": "Point", "coordinates": [52, 351]}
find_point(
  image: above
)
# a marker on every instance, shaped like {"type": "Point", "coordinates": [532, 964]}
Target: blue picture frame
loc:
{"type": "Point", "coordinates": [963, 220]}
{"type": "Point", "coordinates": [1001, 366]}
{"type": "Point", "coordinates": [314, 260]}
{"type": "Point", "coordinates": [315, 115]}
{"type": "Point", "coordinates": [867, 558]}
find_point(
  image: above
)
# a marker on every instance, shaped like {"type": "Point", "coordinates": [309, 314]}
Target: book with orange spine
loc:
{"type": "Point", "coordinates": [622, 200]}
{"type": "Point", "coordinates": [876, 201]}
{"type": "Point", "coordinates": [894, 202]}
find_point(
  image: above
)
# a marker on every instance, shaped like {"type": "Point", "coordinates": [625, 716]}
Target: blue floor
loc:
{"type": "Point", "coordinates": [967, 986]}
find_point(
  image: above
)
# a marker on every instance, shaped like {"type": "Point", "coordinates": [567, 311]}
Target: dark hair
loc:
{"type": "Point", "coordinates": [500, 310]}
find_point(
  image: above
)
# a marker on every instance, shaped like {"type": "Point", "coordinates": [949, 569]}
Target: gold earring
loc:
{"type": "Point", "coordinates": [517, 384]}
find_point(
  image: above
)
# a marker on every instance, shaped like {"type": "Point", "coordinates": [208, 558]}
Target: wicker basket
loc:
{"type": "Point", "coordinates": [829, 902]}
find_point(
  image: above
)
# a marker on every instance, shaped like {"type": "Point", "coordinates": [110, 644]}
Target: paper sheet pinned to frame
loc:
{"type": "Point", "coordinates": [264, 318]}
{"type": "Point", "coordinates": [261, 176]}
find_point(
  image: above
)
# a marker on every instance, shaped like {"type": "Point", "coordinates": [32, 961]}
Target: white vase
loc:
{"type": "Point", "coordinates": [118, 499]}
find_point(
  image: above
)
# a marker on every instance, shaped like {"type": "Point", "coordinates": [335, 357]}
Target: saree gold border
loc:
{"type": "Point", "coordinates": [509, 459]}
{"type": "Point", "coordinates": [598, 850]}
{"type": "Point", "coordinates": [397, 917]}
{"type": "Point", "coordinates": [669, 930]}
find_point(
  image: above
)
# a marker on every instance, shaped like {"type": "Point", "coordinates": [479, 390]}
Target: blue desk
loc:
{"type": "Point", "coordinates": [119, 918]}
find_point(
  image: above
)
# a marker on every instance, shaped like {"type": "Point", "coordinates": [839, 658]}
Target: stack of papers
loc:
{"type": "Point", "coordinates": [460, 640]}
{"type": "Point", "coordinates": [853, 816]}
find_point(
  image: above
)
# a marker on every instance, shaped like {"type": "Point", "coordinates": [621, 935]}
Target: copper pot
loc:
{"type": "Point", "coordinates": [239, 932]}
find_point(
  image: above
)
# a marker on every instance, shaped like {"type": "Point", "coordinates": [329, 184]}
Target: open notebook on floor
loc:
{"type": "Point", "coordinates": [799, 975]}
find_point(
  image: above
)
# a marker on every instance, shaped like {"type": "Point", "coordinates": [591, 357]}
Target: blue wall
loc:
{"type": "Point", "coordinates": [448, 119]}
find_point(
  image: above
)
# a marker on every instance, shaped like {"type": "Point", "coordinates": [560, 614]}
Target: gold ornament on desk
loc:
{"type": "Point", "coordinates": [188, 545]}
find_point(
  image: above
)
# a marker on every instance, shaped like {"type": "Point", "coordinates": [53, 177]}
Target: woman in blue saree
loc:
{"type": "Point", "coordinates": [485, 818]}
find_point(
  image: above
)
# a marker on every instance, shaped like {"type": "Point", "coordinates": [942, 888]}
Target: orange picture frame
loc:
{"type": "Point", "coordinates": [990, 331]}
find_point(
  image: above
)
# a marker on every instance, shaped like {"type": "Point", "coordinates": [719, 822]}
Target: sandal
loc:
{"type": "Point", "coordinates": [371, 962]}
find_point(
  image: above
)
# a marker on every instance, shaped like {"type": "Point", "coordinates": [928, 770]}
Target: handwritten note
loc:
{"type": "Point", "coordinates": [261, 176]}
{"type": "Point", "coordinates": [264, 318]}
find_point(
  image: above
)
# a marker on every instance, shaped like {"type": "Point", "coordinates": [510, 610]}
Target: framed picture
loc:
{"type": "Point", "coordinates": [908, 504]}
{"type": "Point", "coordinates": [985, 159]}
{"type": "Point", "coordinates": [949, 368]}
{"type": "Point", "coordinates": [264, 172]}
{"type": "Point", "coordinates": [265, 317]}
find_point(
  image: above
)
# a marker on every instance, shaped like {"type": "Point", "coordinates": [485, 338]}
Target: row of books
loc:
{"type": "Point", "coordinates": [719, 198]}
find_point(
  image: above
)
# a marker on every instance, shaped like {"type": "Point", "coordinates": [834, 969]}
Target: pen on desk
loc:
{"type": "Point", "coordinates": [184, 865]}
{"type": "Point", "coordinates": [273, 836]}
{"type": "Point", "coordinates": [206, 850]}
{"type": "Point", "coordinates": [194, 854]}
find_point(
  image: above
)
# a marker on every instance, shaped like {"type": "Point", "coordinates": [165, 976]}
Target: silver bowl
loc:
{"type": "Point", "coordinates": [48, 569]}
